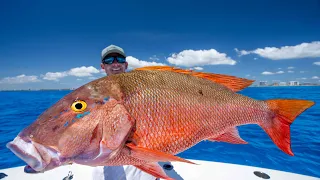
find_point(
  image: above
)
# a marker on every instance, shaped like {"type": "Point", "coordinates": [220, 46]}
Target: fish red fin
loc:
{"type": "Point", "coordinates": [278, 128]}
{"type": "Point", "coordinates": [231, 82]}
{"type": "Point", "coordinates": [152, 155]}
{"type": "Point", "coordinates": [154, 169]}
{"type": "Point", "coordinates": [231, 136]}
{"type": "Point", "coordinates": [122, 131]}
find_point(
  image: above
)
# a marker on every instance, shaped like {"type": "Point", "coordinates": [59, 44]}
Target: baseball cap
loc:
{"type": "Point", "coordinates": [112, 49]}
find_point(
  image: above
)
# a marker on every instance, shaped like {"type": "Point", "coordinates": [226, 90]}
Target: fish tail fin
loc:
{"type": "Point", "coordinates": [278, 128]}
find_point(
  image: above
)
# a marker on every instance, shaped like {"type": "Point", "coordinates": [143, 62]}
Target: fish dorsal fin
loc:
{"type": "Point", "coordinates": [231, 82]}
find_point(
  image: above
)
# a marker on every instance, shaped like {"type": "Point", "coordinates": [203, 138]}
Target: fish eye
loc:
{"type": "Point", "coordinates": [78, 106]}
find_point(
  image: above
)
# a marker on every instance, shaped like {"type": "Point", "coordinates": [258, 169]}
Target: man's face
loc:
{"type": "Point", "coordinates": [115, 67]}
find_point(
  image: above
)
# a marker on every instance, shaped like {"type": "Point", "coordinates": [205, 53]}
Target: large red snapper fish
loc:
{"type": "Point", "coordinates": [149, 115]}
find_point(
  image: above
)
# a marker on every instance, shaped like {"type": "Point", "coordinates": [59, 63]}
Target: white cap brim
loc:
{"type": "Point", "coordinates": [112, 49]}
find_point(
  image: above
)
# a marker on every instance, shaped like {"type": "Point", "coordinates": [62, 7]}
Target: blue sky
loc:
{"type": "Point", "coordinates": [57, 44]}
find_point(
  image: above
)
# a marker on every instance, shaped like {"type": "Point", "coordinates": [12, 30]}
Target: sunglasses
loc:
{"type": "Point", "coordinates": [109, 60]}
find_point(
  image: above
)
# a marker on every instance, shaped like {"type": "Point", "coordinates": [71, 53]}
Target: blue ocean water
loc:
{"type": "Point", "coordinates": [21, 108]}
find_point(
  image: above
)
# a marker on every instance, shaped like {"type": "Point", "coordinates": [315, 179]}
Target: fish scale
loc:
{"type": "Point", "coordinates": [158, 128]}
{"type": "Point", "coordinates": [178, 92]}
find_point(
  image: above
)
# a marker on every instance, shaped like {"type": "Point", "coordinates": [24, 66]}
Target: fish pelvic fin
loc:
{"type": "Point", "coordinates": [230, 136]}
{"type": "Point", "coordinates": [231, 82]}
{"type": "Point", "coordinates": [154, 169]}
{"type": "Point", "coordinates": [278, 128]}
{"type": "Point", "coordinates": [152, 155]}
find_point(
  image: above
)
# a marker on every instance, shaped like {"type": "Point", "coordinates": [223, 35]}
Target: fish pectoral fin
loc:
{"type": "Point", "coordinates": [124, 125]}
{"type": "Point", "coordinates": [230, 136]}
{"type": "Point", "coordinates": [113, 139]}
{"type": "Point", "coordinates": [154, 169]}
{"type": "Point", "coordinates": [152, 155]}
{"type": "Point", "coordinates": [231, 82]}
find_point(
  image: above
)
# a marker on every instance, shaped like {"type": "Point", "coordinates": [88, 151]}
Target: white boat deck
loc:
{"type": "Point", "coordinates": [205, 170]}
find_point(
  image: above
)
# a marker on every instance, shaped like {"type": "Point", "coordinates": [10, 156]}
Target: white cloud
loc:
{"type": "Point", "coordinates": [290, 71]}
{"type": "Point", "coordinates": [92, 77]}
{"type": "Point", "coordinates": [302, 78]}
{"type": "Point", "coordinates": [198, 68]}
{"type": "Point", "coordinates": [248, 75]}
{"type": "Point", "coordinates": [271, 73]}
{"type": "Point", "coordinates": [303, 50]}
{"type": "Point", "coordinates": [154, 58]}
{"type": "Point", "coordinates": [317, 63]}
{"type": "Point", "coordinates": [19, 79]}
{"type": "Point", "coordinates": [78, 72]}
{"type": "Point", "coordinates": [83, 71]}
{"type": "Point", "coordinates": [242, 52]}
{"type": "Point", "coordinates": [255, 58]}
{"type": "Point", "coordinates": [302, 71]}
{"type": "Point", "coordinates": [315, 77]}
{"type": "Point", "coordinates": [79, 79]}
{"type": "Point", "coordinates": [267, 73]}
{"type": "Point", "coordinates": [102, 71]}
{"type": "Point", "coordinates": [279, 68]}
{"type": "Point", "coordinates": [136, 63]}
{"type": "Point", "coordinates": [54, 76]}
{"type": "Point", "coordinates": [191, 58]}
{"type": "Point", "coordinates": [290, 67]}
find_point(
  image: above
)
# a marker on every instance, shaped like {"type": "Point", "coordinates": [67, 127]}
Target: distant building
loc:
{"type": "Point", "coordinates": [275, 84]}
{"type": "Point", "coordinates": [308, 84]}
{"type": "Point", "coordinates": [282, 84]}
{"type": "Point", "coordinates": [293, 83]}
{"type": "Point", "coordinates": [263, 83]}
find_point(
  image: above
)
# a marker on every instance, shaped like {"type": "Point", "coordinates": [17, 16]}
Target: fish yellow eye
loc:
{"type": "Point", "coordinates": [79, 106]}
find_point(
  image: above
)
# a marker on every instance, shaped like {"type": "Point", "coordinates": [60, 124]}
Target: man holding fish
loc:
{"type": "Point", "coordinates": [113, 61]}
{"type": "Point", "coordinates": [146, 116]}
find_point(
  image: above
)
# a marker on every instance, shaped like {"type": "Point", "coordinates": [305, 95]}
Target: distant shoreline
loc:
{"type": "Point", "coordinates": [288, 86]}
{"type": "Point", "coordinates": [75, 88]}
{"type": "Point", "coordinates": [39, 90]}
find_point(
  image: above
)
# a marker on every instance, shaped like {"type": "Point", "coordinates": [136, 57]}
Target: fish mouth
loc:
{"type": "Point", "coordinates": [38, 157]}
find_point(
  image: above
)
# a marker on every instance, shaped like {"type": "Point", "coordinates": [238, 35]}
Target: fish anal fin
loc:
{"type": "Point", "coordinates": [231, 82]}
{"type": "Point", "coordinates": [152, 155]}
{"type": "Point", "coordinates": [230, 136]}
{"type": "Point", "coordinates": [154, 169]}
